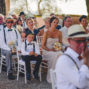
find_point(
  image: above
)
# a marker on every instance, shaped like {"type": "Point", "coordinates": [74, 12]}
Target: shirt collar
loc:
{"type": "Point", "coordinates": [7, 28]}
{"type": "Point", "coordinates": [70, 51]}
{"type": "Point", "coordinates": [27, 42]}
{"type": "Point", "coordinates": [65, 27]}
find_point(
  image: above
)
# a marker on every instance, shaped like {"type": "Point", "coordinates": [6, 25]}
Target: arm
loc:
{"type": "Point", "coordinates": [3, 44]}
{"type": "Point", "coordinates": [37, 49]}
{"type": "Point", "coordinates": [60, 36]}
{"type": "Point", "coordinates": [44, 42]}
{"type": "Point", "coordinates": [40, 32]}
{"type": "Point", "coordinates": [23, 49]}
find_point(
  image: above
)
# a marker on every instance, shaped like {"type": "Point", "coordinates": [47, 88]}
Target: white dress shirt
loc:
{"type": "Point", "coordinates": [64, 31]}
{"type": "Point", "coordinates": [10, 36]}
{"type": "Point", "coordinates": [67, 74]}
{"type": "Point", "coordinates": [29, 48]}
{"type": "Point", "coordinates": [2, 41]}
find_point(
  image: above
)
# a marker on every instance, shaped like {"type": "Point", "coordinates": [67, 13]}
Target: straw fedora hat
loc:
{"type": "Point", "coordinates": [77, 31]}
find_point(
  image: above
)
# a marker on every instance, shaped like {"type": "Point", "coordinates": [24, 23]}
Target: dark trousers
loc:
{"type": "Point", "coordinates": [27, 60]}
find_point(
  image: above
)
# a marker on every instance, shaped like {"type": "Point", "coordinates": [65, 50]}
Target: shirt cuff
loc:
{"type": "Point", "coordinates": [25, 53]}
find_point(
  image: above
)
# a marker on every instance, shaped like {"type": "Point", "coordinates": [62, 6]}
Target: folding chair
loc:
{"type": "Point", "coordinates": [44, 63]}
{"type": "Point", "coordinates": [21, 66]}
{"type": "Point", "coordinates": [39, 40]}
{"type": "Point", "coordinates": [2, 62]}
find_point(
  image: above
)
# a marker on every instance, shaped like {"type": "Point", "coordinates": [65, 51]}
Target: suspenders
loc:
{"type": "Point", "coordinates": [5, 36]}
{"type": "Point", "coordinates": [16, 37]}
{"type": "Point", "coordinates": [25, 45]}
{"type": "Point", "coordinates": [31, 44]}
{"type": "Point", "coordinates": [73, 62]}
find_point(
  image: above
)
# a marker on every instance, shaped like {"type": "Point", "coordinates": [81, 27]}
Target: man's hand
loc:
{"type": "Point", "coordinates": [35, 54]}
{"type": "Point", "coordinates": [31, 53]}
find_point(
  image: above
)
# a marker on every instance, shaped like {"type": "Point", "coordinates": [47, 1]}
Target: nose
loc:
{"type": "Point", "coordinates": [83, 44]}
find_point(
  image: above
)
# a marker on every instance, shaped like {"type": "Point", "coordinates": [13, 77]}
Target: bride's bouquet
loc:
{"type": "Point", "coordinates": [57, 46]}
{"type": "Point", "coordinates": [12, 44]}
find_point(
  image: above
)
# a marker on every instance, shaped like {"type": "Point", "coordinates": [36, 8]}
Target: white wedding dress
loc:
{"type": "Point", "coordinates": [51, 56]}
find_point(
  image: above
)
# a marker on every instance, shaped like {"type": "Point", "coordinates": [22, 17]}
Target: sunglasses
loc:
{"type": "Point", "coordinates": [80, 41]}
{"type": "Point", "coordinates": [10, 22]}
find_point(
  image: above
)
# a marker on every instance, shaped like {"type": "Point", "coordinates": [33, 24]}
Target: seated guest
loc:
{"type": "Point", "coordinates": [47, 25]}
{"type": "Point", "coordinates": [31, 52]}
{"type": "Point", "coordinates": [19, 26]}
{"type": "Point", "coordinates": [67, 22]}
{"type": "Point", "coordinates": [9, 37]}
{"type": "Point", "coordinates": [35, 22]}
{"type": "Point", "coordinates": [1, 19]}
{"type": "Point", "coordinates": [30, 28]}
{"type": "Point", "coordinates": [22, 17]}
{"type": "Point", "coordinates": [83, 22]}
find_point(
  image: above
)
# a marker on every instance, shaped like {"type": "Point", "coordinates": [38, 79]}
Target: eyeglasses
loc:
{"type": "Point", "coordinates": [68, 21]}
{"type": "Point", "coordinates": [10, 22]}
{"type": "Point", "coordinates": [80, 41]}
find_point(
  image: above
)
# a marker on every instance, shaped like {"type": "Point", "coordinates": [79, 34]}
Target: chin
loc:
{"type": "Point", "coordinates": [79, 52]}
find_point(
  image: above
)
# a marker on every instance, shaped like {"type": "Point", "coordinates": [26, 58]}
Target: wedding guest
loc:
{"type": "Point", "coordinates": [47, 25]}
{"type": "Point", "coordinates": [9, 37]}
{"type": "Point", "coordinates": [83, 22]}
{"type": "Point", "coordinates": [30, 28]}
{"type": "Point", "coordinates": [31, 52]}
{"type": "Point", "coordinates": [72, 68]}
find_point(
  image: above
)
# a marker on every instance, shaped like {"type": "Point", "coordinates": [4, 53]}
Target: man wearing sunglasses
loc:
{"type": "Point", "coordinates": [9, 38]}
{"type": "Point", "coordinates": [72, 68]}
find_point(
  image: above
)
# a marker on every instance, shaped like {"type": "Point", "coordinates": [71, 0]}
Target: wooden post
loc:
{"type": "Point", "coordinates": [2, 7]}
{"type": "Point", "coordinates": [7, 4]}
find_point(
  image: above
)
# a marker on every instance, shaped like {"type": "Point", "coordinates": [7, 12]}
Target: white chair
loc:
{"type": "Point", "coordinates": [53, 78]}
{"type": "Point", "coordinates": [2, 62]}
{"type": "Point", "coordinates": [39, 40]}
{"type": "Point", "coordinates": [21, 67]}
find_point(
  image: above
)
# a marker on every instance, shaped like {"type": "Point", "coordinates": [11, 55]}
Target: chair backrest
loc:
{"type": "Point", "coordinates": [53, 78]}
{"type": "Point", "coordinates": [39, 39]}
{"type": "Point", "coordinates": [18, 54]}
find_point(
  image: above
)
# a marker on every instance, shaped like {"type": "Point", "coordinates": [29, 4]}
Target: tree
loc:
{"type": "Point", "coordinates": [19, 5]}
{"type": "Point", "coordinates": [2, 7]}
{"type": "Point", "coordinates": [87, 3]}
{"type": "Point", "coordinates": [39, 7]}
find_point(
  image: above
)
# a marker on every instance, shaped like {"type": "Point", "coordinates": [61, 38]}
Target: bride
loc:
{"type": "Point", "coordinates": [50, 37]}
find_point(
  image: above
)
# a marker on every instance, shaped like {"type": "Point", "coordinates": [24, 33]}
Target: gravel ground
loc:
{"type": "Point", "coordinates": [5, 83]}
